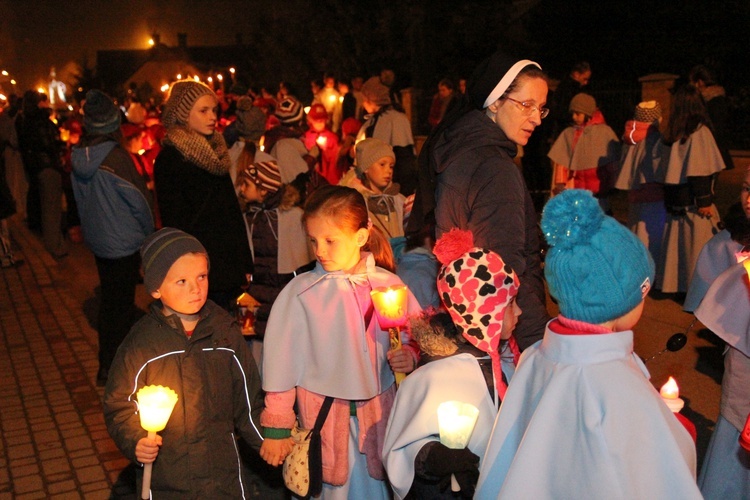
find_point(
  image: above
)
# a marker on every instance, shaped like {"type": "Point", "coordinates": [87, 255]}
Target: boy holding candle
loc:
{"type": "Point", "coordinates": [580, 416]}
{"type": "Point", "coordinates": [194, 347]}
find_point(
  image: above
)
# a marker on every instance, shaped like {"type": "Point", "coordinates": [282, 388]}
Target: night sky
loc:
{"type": "Point", "coordinates": [35, 35]}
{"type": "Point", "coordinates": [622, 39]}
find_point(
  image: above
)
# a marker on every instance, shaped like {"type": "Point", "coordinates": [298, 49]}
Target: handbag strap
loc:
{"type": "Point", "coordinates": [327, 402]}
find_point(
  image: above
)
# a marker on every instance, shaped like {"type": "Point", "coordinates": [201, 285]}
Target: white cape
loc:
{"type": "Point", "coordinates": [413, 421]}
{"type": "Point", "coordinates": [580, 420]}
{"type": "Point", "coordinates": [725, 309]}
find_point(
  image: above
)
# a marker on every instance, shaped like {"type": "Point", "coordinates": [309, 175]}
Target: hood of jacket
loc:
{"type": "Point", "coordinates": [87, 159]}
{"type": "Point", "coordinates": [472, 131]}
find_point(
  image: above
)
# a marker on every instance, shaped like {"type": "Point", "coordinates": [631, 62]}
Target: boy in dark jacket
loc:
{"type": "Point", "coordinates": [194, 347]}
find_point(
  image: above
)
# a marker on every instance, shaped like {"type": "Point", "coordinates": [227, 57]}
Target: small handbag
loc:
{"type": "Point", "coordinates": [303, 467]}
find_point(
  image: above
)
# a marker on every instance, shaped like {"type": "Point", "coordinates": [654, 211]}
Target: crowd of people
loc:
{"type": "Point", "coordinates": [309, 211]}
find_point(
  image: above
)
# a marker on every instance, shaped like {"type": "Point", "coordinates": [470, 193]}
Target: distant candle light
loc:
{"type": "Point", "coordinates": [151, 42]}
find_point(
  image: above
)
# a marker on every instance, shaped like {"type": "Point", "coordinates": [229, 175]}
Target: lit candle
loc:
{"type": "Point", "coordinates": [390, 309]}
{"type": "Point", "coordinates": [321, 141]}
{"type": "Point", "coordinates": [670, 393]}
{"type": "Point", "coordinates": [390, 305]}
{"type": "Point", "coordinates": [456, 421]}
{"type": "Point", "coordinates": [155, 405]}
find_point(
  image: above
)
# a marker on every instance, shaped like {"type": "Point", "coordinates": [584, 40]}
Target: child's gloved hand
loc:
{"type": "Point", "coordinates": [401, 361]}
{"type": "Point", "coordinates": [146, 450]}
{"type": "Point", "coordinates": [274, 451]}
{"type": "Point", "coordinates": [442, 461]}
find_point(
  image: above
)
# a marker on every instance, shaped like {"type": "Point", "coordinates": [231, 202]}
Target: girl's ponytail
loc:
{"type": "Point", "coordinates": [381, 249]}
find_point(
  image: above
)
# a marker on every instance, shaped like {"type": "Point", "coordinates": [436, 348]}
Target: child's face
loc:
{"type": "Point", "coordinates": [202, 118]}
{"type": "Point", "coordinates": [512, 312]}
{"type": "Point", "coordinates": [745, 197]}
{"type": "Point", "coordinates": [185, 287]}
{"type": "Point", "coordinates": [380, 173]}
{"type": "Point", "coordinates": [250, 192]}
{"type": "Point", "coordinates": [336, 248]}
{"type": "Point", "coordinates": [579, 118]}
{"type": "Point", "coordinates": [317, 125]}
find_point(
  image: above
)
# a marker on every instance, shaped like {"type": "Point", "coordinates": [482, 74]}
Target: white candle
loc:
{"type": "Point", "coordinates": [456, 421]}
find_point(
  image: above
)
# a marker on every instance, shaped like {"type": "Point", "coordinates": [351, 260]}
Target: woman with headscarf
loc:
{"type": "Point", "coordinates": [468, 178]}
{"type": "Point", "coordinates": [195, 190]}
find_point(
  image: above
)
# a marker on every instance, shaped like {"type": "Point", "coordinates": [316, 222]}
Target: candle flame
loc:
{"type": "Point", "coordinates": [390, 305]}
{"type": "Point", "coordinates": [670, 390]}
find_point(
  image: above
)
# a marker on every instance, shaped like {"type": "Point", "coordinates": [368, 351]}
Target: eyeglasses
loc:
{"type": "Point", "coordinates": [527, 108]}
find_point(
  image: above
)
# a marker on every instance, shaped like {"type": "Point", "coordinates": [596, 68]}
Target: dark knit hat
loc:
{"type": "Point", "coordinates": [100, 115]}
{"type": "Point", "coordinates": [162, 249]}
{"type": "Point", "coordinates": [583, 103]}
{"type": "Point", "coordinates": [647, 112]}
{"type": "Point", "coordinates": [317, 112]}
{"type": "Point", "coordinates": [289, 111]}
{"type": "Point", "coordinates": [369, 151]}
{"type": "Point", "coordinates": [183, 95]}
{"type": "Point", "coordinates": [264, 174]}
{"type": "Point", "coordinates": [493, 76]}
{"type": "Point", "coordinates": [374, 90]}
{"type": "Point", "coordinates": [596, 269]}
{"type": "Point", "coordinates": [251, 122]}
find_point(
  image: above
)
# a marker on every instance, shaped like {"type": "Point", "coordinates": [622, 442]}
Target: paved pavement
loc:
{"type": "Point", "coordinates": [53, 442]}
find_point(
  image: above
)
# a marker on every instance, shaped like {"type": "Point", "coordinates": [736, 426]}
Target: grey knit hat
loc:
{"type": "Point", "coordinates": [100, 115]}
{"type": "Point", "coordinates": [251, 122]}
{"type": "Point", "coordinates": [369, 151]}
{"type": "Point", "coordinates": [162, 249]}
{"type": "Point", "coordinates": [583, 103]}
{"type": "Point", "coordinates": [182, 97]}
{"type": "Point", "coordinates": [374, 90]}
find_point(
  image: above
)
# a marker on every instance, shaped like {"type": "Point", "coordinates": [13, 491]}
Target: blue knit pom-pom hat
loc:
{"type": "Point", "coordinates": [596, 269]}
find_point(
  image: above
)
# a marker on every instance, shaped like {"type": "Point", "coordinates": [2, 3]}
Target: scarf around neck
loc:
{"type": "Point", "coordinates": [209, 153]}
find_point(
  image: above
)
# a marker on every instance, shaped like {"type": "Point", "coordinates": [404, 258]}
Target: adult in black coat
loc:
{"type": "Point", "coordinates": [468, 178]}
